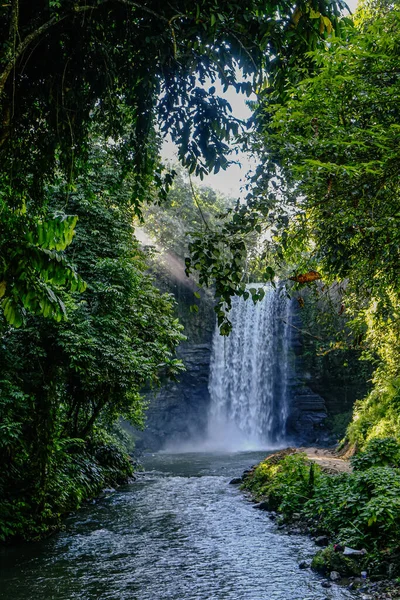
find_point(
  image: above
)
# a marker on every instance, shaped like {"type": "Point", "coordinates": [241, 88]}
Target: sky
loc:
{"type": "Point", "coordinates": [229, 182]}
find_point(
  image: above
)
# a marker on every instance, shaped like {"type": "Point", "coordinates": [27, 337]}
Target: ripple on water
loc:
{"type": "Point", "coordinates": [180, 533]}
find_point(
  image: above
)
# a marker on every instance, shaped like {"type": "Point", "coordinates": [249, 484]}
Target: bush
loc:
{"type": "Point", "coordinates": [378, 453]}
{"type": "Point", "coordinates": [361, 509]}
{"type": "Point", "coordinates": [327, 560]}
{"type": "Point", "coordinates": [78, 471]}
{"type": "Point", "coordinates": [287, 485]}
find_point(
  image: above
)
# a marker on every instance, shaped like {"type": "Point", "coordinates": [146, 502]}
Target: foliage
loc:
{"type": "Point", "coordinates": [377, 415]}
{"type": "Point", "coordinates": [187, 208]}
{"type": "Point", "coordinates": [327, 560]}
{"type": "Point", "coordinates": [378, 452]}
{"type": "Point", "coordinates": [338, 424]}
{"type": "Point", "coordinates": [77, 471]}
{"type": "Point", "coordinates": [334, 137]}
{"type": "Point", "coordinates": [32, 265]}
{"type": "Point", "coordinates": [64, 385]}
{"type": "Point", "coordinates": [287, 484]}
{"type": "Point", "coordinates": [69, 68]}
{"type": "Point", "coordinates": [359, 509]}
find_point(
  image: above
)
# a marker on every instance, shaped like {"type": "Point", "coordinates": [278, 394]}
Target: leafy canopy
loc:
{"type": "Point", "coordinates": [69, 69]}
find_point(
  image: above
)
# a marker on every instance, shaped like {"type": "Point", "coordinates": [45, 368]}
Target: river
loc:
{"type": "Point", "coordinates": [179, 532]}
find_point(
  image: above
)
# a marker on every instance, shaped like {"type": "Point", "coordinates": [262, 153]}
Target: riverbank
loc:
{"type": "Point", "coordinates": [340, 505]}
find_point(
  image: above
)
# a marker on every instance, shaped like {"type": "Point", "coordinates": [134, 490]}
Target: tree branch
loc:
{"type": "Point", "coordinates": [23, 45]}
{"type": "Point", "coordinates": [301, 330]}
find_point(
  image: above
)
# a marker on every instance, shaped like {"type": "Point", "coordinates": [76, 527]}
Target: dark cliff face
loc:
{"type": "Point", "coordinates": [177, 412]}
{"type": "Point", "coordinates": [308, 411]}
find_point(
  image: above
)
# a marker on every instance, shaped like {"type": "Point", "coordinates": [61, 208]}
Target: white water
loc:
{"type": "Point", "coordinates": [248, 376]}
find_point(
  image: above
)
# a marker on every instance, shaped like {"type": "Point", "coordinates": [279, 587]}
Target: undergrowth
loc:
{"type": "Point", "coordinates": [78, 471]}
{"type": "Point", "coordinates": [359, 509]}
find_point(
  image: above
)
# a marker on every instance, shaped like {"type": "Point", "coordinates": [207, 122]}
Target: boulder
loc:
{"type": "Point", "coordinates": [262, 505]}
{"type": "Point", "coordinates": [322, 540]}
{"type": "Point", "coordinates": [327, 560]}
{"type": "Point", "coordinates": [235, 481]}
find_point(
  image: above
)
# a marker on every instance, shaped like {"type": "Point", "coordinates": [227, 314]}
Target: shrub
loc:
{"type": "Point", "coordinates": [378, 453]}
{"type": "Point", "coordinates": [359, 509]}
{"type": "Point", "coordinates": [287, 485]}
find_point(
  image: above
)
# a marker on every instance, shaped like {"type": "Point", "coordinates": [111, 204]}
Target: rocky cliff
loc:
{"type": "Point", "coordinates": [177, 413]}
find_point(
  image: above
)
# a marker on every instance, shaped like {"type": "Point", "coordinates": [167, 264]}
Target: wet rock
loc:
{"type": "Point", "coordinates": [352, 586]}
{"type": "Point", "coordinates": [327, 560]}
{"type": "Point", "coordinates": [326, 584]}
{"type": "Point", "coordinates": [352, 552]}
{"type": "Point", "coordinates": [235, 481]}
{"type": "Point", "coordinates": [304, 564]}
{"type": "Point", "coordinates": [322, 540]}
{"type": "Point", "coordinates": [272, 516]}
{"type": "Point", "coordinates": [296, 517]}
{"type": "Point", "coordinates": [261, 505]}
{"type": "Point", "coordinates": [335, 576]}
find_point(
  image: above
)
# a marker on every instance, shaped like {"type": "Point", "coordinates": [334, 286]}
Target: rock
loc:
{"type": "Point", "coordinates": [272, 516]}
{"type": "Point", "coordinates": [351, 552]}
{"type": "Point", "coordinates": [352, 586]}
{"type": "Point", "coordinates": [326, 584]}
{"type": "Point", "coordinates": [328, 560]}
{"type": "Point", "coordinates": [304, 564]}
{"type": "Point", "coordinates": [322, 540]}
{"type": "Point", "coordinates": [335, 576]}
{"type": "Point", "coordinates": [235, 481]}
{"type": "Point", "coordinates": [296, 517]}
{"type": "Point", "coordinates": [261, 505]}
{"type": "Point", "coordinates": [109, 490]}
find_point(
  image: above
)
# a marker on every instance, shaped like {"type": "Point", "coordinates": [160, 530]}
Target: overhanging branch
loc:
{"type": "Point", "coordinates": [31, 37]}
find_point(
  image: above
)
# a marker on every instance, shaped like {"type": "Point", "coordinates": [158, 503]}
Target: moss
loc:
{"type": "Point", "coordinates": [328, 560]}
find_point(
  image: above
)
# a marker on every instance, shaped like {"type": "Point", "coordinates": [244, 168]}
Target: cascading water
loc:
{"type": "Point", "coordinates": [248, 375]}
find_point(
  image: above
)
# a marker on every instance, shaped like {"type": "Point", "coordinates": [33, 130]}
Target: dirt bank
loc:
{"type": "Point", "coordinates": [328, 460]}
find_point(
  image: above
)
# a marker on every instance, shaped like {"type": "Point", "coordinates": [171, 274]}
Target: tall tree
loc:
{"type": "Point", "coordinates": [67, 67]}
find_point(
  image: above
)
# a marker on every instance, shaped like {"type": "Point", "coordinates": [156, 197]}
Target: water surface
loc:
{"type": "Point", "coordinates": [180, 532]}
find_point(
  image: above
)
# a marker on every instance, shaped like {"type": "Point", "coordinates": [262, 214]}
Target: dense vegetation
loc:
{"type": "Point", "coordinates": [86, 91]}
{"type": "Point", "coordinates": [64, 385]}
{"type": "Point", "coordinates": [359, 509]}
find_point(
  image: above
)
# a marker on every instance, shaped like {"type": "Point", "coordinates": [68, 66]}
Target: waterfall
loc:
{"type": "Point", "coordinates": [248, 375]}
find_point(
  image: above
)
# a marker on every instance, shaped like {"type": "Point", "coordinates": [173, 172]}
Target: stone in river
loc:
{"type": "Point", "coordinates": [235, 481]}
{"type": "Point", "coordinates": [322, 540]}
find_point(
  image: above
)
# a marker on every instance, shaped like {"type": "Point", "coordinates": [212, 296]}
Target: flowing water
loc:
{"type": "Point", "coordinates": [180, 532]}
{"type": "Point", "coordinates": [249, 374]}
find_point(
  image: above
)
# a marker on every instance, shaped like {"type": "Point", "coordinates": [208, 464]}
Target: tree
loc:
{"type": "Point", "coordinates": [69, 67]}
{"type": "Point", "coordinates": [64, 385]}
{"type": "Point", "coordinates": [327, 199]}
{"type": "Point", "coordinates": [327, 187]}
